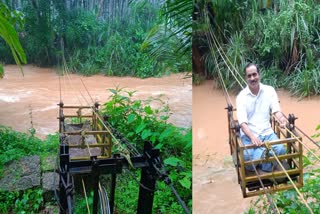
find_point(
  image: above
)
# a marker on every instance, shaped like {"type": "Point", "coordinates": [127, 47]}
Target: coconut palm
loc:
{"type": "Point", "coordinates": [172, 38]}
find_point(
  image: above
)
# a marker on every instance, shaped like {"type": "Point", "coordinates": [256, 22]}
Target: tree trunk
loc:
{"type": "Point", "coordinates": [197, 63]}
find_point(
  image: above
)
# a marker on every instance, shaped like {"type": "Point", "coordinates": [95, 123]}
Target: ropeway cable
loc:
{"type": "Point", "coordinates": [116, 142]}
{"type": "Point", "coordinates": [297, 190]}
{"type": "Point", "coordinates": [224, 56]}
{"type": "Point", "coordinates": [268, 195]}
{"type": "Point", "coordinates": [272, 150]}
{"type": "Point", "coordinates": [85, 195]}
{"type": "Point", "coordinates": [274, 206]}
{"type": "Point", "coordinates": [307, 136]}
{"type": "Point", "coordinates": [127, 156]}
{"type": "Point", "coordinates": [305, 146]}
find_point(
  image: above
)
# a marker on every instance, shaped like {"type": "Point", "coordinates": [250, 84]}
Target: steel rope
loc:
{"type": "Point", "coordinates": [295, 187]}
{"type": "Point", "coordinates": [229, 102]}
{"type": "Point", "coordinates": [305, 146]}
{"type": "Point", "coordinates": [85, 195]}
{"type": "Point", "coordinates": [302, 132]}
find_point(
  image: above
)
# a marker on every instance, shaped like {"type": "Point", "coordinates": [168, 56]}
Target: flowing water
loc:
{"type": "Point", "coordinates": [34, 96]}
{"type": "Point", "coordinates": [215, 186]}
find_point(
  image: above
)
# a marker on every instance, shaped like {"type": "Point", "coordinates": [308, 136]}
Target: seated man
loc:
{"type": "Point", "coordinates": [254, 104]}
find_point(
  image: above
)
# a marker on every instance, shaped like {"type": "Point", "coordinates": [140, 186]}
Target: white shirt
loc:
{"type": "Point", "coordinates": [255, 109]}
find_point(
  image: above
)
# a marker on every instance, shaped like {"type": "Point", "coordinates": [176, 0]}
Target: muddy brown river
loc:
{"type": "Point", "coordinates": [215, 186]}
{"type": "Point", "coordinates": [38, 92]}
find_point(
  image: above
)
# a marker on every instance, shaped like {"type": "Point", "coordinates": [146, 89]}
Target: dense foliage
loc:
{"type": "Point", "coordinates": [29, 201]}
{"type": "Point", "coordinates": [146, 120]}
{"type": "Point", "coordinates": [95, 38]}
{"type": "Point", "coordinates": [281, 36]}
{"type": "Point", "coordinates": [13, 146]}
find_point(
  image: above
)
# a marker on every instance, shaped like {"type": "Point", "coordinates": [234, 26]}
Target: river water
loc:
{"type": "Point", "coordinates": [38, 93]}
{"type": "Point", "coordinates": [215, 186]}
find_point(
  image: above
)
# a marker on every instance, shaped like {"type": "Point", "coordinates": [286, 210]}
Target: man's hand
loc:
{"type": "Point", "coordinates": [281, 119]}
{"type": "Point", "coordinates": [255, 141]}
{"type": "Point", "coordinates": [283, 122]}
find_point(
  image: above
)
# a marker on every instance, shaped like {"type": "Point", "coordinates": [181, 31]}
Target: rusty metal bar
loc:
{"type": "Point", "coordinates": [82, 132]}
{"type": "Point", "coordinates": [76, 116]}
{"type": "Point", "coordinates": [271, 158]}
{"type": "Point", "coordinates": [84, 146]}
{"type": "Point", "coordinates": [78, 107]}
{"type": "Point", "coordinates": [281, 141]}
{"type": "Point", "coordinates": [271, 175]}
{"type": "Point", "coordinates": [271, 190]}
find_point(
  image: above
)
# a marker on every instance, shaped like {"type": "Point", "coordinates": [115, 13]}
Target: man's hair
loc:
{"type": "Point", "coordinates": [250, 64]}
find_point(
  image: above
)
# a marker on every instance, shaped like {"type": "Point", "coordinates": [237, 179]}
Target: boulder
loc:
{"type": "Point", "coordinates": [21, 174]}
{"type": "Point", "coordinates": [49, 163]}
{"type": "Point", "coordinates": [50, 184]}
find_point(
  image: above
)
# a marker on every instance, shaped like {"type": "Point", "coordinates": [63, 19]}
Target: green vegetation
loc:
{"type": "Point", "coordinates": [8, 19]}
{"type": "Point", "coordinates": [29, 201]}
{"type": "Point", "coordinates": [140, 121]}
{"type": "Point", "coordinates": [1, 71]}
{"type": "Point", "coordinates": [13, 146]}
{"type": "Point", "coordinates": [289, 201]}
{"type": "Point", "coordinates": [281, 36]}
{"type": "Point", "coordinates": [97, 38]}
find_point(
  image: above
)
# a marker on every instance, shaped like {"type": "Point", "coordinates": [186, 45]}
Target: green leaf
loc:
{"type": "Point", "coordinates": [185, 182]}
{"type": "Point", "coordinates": [113, 90]}
{"type": "Point", "coordinates": [140, 127]}
{"type": "Point", "coordinates": [131, 118]}
{"type": "Point", "coordinates": [315, 135]}
{"type": "Point", "coordinates": [306, 161]}
{"type": "Point", "coordinates": [130, 134]}
{"type": "Point", "coordinates": [172, 161]}
{"type": "Point", "coordinates": [146, 133]}
{"type": "Point", "coordinates": [10, 36]}
{"type": "Point", "coordinates": [148, 110]}
{"type": "Point", "coordinates": [159, 146]}
{"type": "Point", "coordinates": [1, 71]}
{"type": "Point", "coordinates": [162, 117]}
{"type": "Point", "coordinates": [167, 132]}
{"type": "Point", "coordinates": [153, 139]}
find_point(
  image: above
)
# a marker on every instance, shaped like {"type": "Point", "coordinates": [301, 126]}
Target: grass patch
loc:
{"type": "Point", "coordinates": [15, 145]}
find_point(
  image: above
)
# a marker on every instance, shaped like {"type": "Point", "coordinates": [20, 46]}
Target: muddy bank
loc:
{"type": "Point", "coordinates": [215, 186]}
{"type": "Point", "coordinates": [38, 92]}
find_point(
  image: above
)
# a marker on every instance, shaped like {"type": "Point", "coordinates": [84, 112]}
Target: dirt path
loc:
{"type": "Point", "coordinates": [215, 186]}
{"type": "Point", "coordinates": [38, 92]}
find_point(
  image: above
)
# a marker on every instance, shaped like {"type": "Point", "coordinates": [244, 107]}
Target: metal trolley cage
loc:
{"type": "Point", "coordinates": [272, 181]}
{"type": "Point", "coordinates": [98, 164]}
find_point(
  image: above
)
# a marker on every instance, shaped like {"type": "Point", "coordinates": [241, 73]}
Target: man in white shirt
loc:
{"type": "Point", "coordinates": [254, 104]}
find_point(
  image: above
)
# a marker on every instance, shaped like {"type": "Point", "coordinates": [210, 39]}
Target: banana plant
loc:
{"type": "Point", "coordinates": [10, 36]}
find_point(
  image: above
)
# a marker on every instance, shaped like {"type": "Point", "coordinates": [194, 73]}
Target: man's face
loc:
{"type": "Point", "coordinates": [252, 77]}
